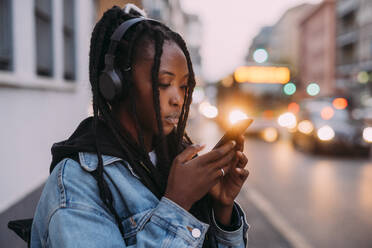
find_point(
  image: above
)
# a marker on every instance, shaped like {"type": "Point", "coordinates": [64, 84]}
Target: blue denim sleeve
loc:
{"type": "Point", "coordinates": [169, 226]}
{"type": "Point", "coordinates": [236, 238]}
{"type": "Point", "coordinates": [79, 227]}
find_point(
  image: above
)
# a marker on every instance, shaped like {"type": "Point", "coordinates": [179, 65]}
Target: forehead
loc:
{"type": "Point", "coordinates": [172, 54]}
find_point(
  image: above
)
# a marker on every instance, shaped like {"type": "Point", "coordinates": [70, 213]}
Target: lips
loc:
{"type": "Point", "coordinates": [172, 118]}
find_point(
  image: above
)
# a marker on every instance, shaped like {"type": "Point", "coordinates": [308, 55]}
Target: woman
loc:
{"type": "Point", "coordinates": [129, 175]}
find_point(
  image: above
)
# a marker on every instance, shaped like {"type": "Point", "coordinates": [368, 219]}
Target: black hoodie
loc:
{"type": "Point", "coordinates": [83, 140]}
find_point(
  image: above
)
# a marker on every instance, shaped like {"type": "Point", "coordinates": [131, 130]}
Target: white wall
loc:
{"type": "Point", "coordinates": [36, 112]}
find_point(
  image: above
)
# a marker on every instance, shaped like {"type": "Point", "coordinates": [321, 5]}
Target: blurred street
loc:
{"type": "Point", "coordinates": [295, 199]}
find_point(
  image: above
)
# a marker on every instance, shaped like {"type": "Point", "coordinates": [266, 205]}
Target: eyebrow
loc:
{"type": "Point", "coordinates": [172, 74]}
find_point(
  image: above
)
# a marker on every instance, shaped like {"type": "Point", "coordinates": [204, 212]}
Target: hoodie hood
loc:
{"type": "Point", "coordinates": [83, 140]}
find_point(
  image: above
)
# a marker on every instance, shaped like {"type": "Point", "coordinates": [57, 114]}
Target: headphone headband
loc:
{"type": "Point", "coordinates": [122, 29]}
{"type": "Point", "coordinates": [110, 81]}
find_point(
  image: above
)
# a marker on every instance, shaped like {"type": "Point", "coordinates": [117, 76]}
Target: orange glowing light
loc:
{"type": "Point", "coordinates": [340, 103]}
{"type": "Point", "coordinates": [262, 74]}
{"type": "Point", "coordinates": [327, 113]}
{"type": "Point", "coordinates": [293, 107]}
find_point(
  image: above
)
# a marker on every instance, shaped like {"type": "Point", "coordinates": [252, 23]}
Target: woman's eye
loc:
{"type": "Point", "coordinates": [164, 85]}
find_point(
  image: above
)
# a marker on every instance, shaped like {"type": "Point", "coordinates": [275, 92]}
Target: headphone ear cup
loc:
{"type": "Point", "coordinates": [110, 85]}
{"type": "Point", "coordinates": [124, 82]}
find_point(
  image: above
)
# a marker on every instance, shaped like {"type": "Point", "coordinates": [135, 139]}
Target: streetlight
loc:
{"type": "Point", "coordinates": [289, 89]}
{"type": "Point", "coordinates": [260, 55]}
{"type": "Point", "coordinates": [313, 89]}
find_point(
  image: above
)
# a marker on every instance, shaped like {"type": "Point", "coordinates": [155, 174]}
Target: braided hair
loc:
{"type": "Point", "coordinates": [168, 147]}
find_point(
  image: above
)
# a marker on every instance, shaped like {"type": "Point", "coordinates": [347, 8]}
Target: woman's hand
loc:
{"type": "Point", "coordinates": [190, 179]}
{"type": "Point", "coordinates": [228, 187]}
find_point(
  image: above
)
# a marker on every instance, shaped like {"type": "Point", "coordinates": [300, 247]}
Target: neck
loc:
{"type": "Point", "coordinates": [127, 121]}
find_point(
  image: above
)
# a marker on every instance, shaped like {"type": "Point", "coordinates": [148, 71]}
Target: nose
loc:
{"type": "Point", "coordinates": [176, 97]}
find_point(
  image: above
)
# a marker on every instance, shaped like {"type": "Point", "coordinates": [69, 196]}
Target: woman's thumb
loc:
{"type": "Point", "coordinates": [190, 152]}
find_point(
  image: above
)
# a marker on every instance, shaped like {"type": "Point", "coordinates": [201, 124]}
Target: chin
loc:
{"type": "Point", "coordinates": [167, 129]}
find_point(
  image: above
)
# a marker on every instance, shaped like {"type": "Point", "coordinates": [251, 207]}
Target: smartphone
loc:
{"type": "Point", "coordinates": [235, 131]}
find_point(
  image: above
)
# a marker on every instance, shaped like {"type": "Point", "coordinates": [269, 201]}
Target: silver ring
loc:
{"type": "Point", "coordinates": [223, 172]}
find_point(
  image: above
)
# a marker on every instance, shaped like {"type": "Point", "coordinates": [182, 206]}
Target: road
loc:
{"type": "Point", "coordinates": [298, 200]}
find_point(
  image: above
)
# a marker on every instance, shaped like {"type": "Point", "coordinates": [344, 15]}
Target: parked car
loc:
{"type": "Point", "coordinates": [321, 127]}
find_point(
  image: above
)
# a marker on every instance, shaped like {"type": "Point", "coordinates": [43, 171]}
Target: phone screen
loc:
{"type": "Point", "coordinates": [236, 130]}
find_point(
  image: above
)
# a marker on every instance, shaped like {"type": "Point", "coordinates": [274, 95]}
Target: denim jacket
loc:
{"type": "Point", "coordinates": [70, 212]}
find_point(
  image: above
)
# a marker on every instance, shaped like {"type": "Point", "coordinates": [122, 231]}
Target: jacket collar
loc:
{"type": "Point", "coordinates": [89, 161]}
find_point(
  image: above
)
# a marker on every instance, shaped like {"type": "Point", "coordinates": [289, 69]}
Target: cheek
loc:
{"type": "Point", "coordinates": [163, 101]}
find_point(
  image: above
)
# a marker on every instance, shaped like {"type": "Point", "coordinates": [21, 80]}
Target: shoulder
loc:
{"type": "Point", "coordinates": [71, 184]}
{"type": "Point", "coordinates": [76, 184]}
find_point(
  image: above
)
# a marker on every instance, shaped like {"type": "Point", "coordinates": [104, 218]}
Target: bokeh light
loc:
{"type": "Point", "coordinates": [313, 89]}
{"type": "Point", "coordinates": [198, 95]}
{"type": "Point", "coordinates": [305, 127]}
{"type": "Point", "coordinates": [287, 120]}
{"type": "Point", "coordinates": [293, 107]}
{"type": "Point", "coordinates": [237, 115]}
{"type": "Point", "coordinates": [327, 113]}
{"type": "Point", "coordinates": [340, 103]}
{"type": "Point", "coordinates": [363, 77]}
{"type": "Point", "coordinates": [270, 134]}
{"type": "Point", "coordinates": [289, 89]}
{"type": "Point", "coordinates": [367, 134]}
{"type": "Point", "coordinates": [208, 110]}
{"type": "Point", "coordinates": [262, 74]}
{"type": "Point", "coordinates": [260, 55]}
{"type": "Point", "coordinates": [326, 133]}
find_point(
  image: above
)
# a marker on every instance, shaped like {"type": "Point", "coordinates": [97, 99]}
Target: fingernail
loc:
{"type": "Point", "coordinates": [234, 143]}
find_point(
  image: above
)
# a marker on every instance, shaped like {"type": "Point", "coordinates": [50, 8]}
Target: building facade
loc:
{"type": "Point", "coordinates": [45, 90]}
{"type": "Point", "coordinates": [282, 39]}
{"type": "Point", "coordinates": [285, 42]}
{"type": "Point", "coordinates": [44, 94]}
{"type": "Point", "coordinates": [317, 48]}
{"type": "Point", "coordinates": [354, 49]}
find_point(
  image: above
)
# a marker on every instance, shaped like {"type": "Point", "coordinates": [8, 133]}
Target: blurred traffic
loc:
{"type": "Point", "coordinates": [327, 124]}
{"type": "Point", "coordinates": [310, 87]}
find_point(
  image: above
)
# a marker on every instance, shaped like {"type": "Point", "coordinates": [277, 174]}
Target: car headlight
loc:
{"type": "Point", "coordinates": [326, 133]}
{"type": "Point", "coordinates": [270, 134]}
{"type": "Point", "coordinates": [367, 134]}
{"type": "Point", "coordinates": [287, 120]}
{"type": "Point", "coordinates": [305, 127]}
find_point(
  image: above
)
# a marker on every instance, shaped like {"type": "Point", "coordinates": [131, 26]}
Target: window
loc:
{"type": "Point", "coordinates": [69, 40]}
{"type": "Point", "coordinates": [44, 48]}
{"type": "Point", "coordinates": [6, 35]}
